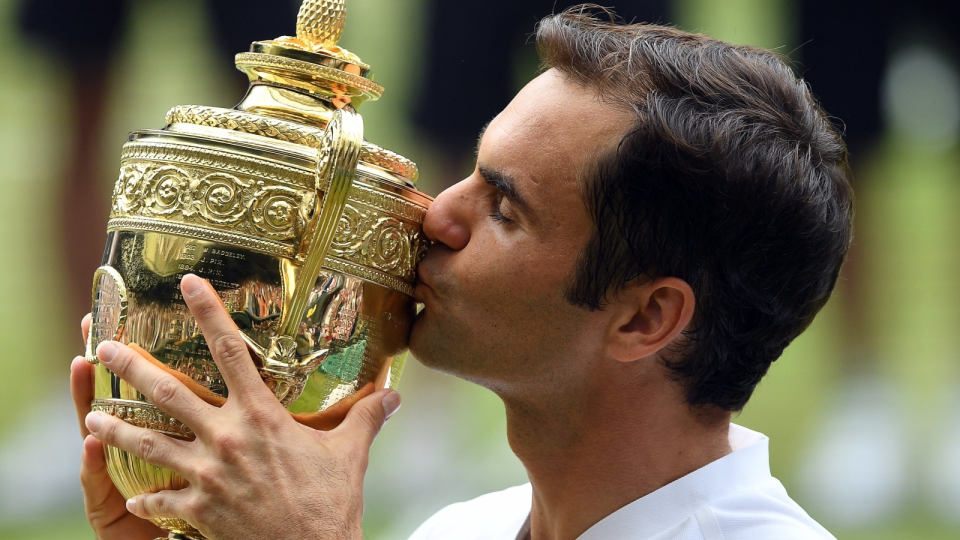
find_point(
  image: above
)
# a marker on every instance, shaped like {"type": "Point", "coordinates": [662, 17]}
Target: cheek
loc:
{"type": "Point", "coordinates": [513, 284]}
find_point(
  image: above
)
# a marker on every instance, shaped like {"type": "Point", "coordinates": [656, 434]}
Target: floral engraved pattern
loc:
{"type": "Point", "coordinates": [213, 199]}
{"type": "Point", "coordinates": [166, 189]}
{"type": "Point", "coordinates": [372, 238]}
{"type": "Point", "coordinates": [280, 211]}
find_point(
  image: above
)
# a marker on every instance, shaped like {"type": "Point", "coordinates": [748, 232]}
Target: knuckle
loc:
{"type": "Point", "coordinates": [193, 511]}
{"type": "Point", "coordinates": [161, 506]}
{"type": "Point", "coordinates": [207, 479]}
{"type": "Point", "coordinates": [164, 391]}
{"type": "Point", "coordinates": [229, 348]}
{"type": "Point", "coordinates": [149, 505]}
{"type": "Point", "coordinates": [226, 444]}
{"type": "Point", "coordinates": [147, 446]}
{"type": "Point", "coordinates": [108, 430]}
{"type": "Point", "coordinates": [262, 417]}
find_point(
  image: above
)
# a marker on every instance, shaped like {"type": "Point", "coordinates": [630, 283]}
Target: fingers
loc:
{"type": "Point", "coordinates": [99, 494]}
{"type": "Point", "coordinates": [148, 445]}
{"type": "Point", "coordinates": [85, 328]}
{"type": "Point", "coordinates": [165, 504]}
{"type": "Point", "coordinates": [198, 389]}
{"type": "Point", "coordinates": [105, 507]}
{"type": "Point", "coordinates": [365, 419]}
{"type": "Point", "coordinates": [81, 388]}
{"type": "Point", "coordinates": [161, 388]}
{"type": "Point", "coordinates": [93, 471]}
{"type": "Point", "coordinates": [228, 348]}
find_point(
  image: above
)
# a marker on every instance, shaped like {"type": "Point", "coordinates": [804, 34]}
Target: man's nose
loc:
{"type": "Point", "coordinates": [447, 219]}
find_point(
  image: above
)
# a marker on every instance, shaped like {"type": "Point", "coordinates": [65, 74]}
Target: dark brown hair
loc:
{"type": "Point", "coordinates": [732, 179]}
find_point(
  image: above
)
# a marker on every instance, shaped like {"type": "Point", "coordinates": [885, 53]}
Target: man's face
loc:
{"type": "Point", "coordinates": [506, 243]}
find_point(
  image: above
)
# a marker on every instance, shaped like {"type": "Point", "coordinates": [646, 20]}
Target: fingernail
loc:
{"type": "Point", "coordinates": [106, 352]}
{"type": "Point", "coordinates": [93, 422]}
{"type": "Point", "coordinates": [191, 285]}
{"type": "Point", "coordinates": [132, 505]}
{"type": "Point", "coordinates": [391, 404]}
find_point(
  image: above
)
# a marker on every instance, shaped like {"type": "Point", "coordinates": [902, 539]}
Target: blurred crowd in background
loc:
{"type": "Point", "coordinates": [863, 410]}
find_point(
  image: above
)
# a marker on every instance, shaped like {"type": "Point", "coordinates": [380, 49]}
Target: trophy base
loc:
{"type": "Point", "coordinates": [177, 536]}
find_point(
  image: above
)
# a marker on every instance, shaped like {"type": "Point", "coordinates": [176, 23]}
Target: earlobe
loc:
{"type": "Point", "coordinates": [649, 317]}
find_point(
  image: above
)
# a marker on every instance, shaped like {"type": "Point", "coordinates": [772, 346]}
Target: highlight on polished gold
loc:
{"type": "Point", "coordinates": [309, 234]}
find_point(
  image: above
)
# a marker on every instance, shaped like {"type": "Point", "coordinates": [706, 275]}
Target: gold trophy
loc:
{"type": "Point", "coordinates": [310, 235]}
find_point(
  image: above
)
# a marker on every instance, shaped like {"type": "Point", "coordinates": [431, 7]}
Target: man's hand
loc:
{"type": "Point", "coordinates": [253, 471]}
{"type": "Point", "coordinates": [106, 509]}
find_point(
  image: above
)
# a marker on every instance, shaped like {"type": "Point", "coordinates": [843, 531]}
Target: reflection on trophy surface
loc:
{"type": "Point", "coordinates": [310, 235]}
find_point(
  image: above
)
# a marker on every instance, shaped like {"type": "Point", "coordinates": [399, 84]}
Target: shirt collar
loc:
{"type": "Point", "coordinates": [748, 464]}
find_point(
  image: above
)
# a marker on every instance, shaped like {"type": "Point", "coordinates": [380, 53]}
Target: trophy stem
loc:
{"type": "Point", "coordinates": [178, 536]}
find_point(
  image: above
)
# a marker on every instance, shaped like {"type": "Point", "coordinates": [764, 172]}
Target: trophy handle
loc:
{"type": "Point", "coordinates": [338, 157]}
{"type": "Point", "coordinates": [109, 313]}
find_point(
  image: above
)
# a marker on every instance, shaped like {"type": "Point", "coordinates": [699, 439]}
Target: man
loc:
{"type": "Point", "coordinates": [650, 223]}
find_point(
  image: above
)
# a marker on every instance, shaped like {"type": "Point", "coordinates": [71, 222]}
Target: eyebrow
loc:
{"type": "Point", "coordinates": [505, 184]}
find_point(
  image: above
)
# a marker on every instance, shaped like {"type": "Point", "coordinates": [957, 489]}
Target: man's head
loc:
{"type": "Point", "coordinates": [656, 197]}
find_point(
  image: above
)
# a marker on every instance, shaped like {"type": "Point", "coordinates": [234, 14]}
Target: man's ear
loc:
{"type": "Point", "coordinates": [649, 317]}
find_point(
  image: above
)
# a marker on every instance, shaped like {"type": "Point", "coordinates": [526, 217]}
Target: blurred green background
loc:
{"type": "Point", "coordinates": [863, 410]}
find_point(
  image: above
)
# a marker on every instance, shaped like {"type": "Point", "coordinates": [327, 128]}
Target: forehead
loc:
{"type": "Point", "coordinates": [551, 131]}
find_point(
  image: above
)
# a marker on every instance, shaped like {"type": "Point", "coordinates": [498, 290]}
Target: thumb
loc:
{"type": "Point", "coordinates": [368, 415]}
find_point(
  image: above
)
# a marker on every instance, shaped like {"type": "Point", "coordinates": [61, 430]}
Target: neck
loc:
{"type": "Point", "coordinates": [591, 451]}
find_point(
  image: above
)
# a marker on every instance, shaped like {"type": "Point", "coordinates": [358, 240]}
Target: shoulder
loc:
{"type": "Point", "coordinates": [761, 511]}
{"type": "Point", "coordinates": [493, 516]}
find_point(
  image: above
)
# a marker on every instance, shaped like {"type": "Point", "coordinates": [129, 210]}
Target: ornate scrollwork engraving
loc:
{"type": "Point", "coordinates": [193, 195]}
{"type": "Point", "coordinates": [191, 192]}
{"type": "Point", "coordinates": [370, 237]}
{"type": "Point", "coordinates": [166, 191]}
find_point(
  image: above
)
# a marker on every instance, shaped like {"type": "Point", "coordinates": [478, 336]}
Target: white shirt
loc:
{"type": "Point", "coordinates": [733, 498]}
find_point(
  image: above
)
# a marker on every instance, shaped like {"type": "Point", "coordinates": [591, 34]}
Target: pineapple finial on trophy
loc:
{"type": "Point", "coordinates": [312, 62]}
{"type": "Point", "coordinates": [321, 22]}
{"type": "Point", "coordinates": [320, 25]}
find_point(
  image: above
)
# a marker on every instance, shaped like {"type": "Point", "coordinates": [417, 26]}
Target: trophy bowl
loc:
{"type": "Point", "coordinates": [309, 234]}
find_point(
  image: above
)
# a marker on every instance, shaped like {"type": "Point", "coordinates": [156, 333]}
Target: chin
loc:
{"type": "Point", "coordinates": [416, 332]}
{"type": "Point", "coordinates": [447, 344]}
{"type": "Point", "coordinates": [423, 339]}
{"type": "Point", "coordinates": [432, 346]}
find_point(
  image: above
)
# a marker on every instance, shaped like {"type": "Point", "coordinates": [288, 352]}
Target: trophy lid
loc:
{"type": "Point", "coordinates": [313, 62]}
{"type": "Point", "coordinates": [296, 85]}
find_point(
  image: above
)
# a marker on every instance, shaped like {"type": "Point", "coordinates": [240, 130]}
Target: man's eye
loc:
{"type": "Point", "coordinates": [497, 213]}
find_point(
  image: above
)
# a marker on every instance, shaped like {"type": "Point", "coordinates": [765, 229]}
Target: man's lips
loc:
{"type": "Point", "coordinates": [422, 290]}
